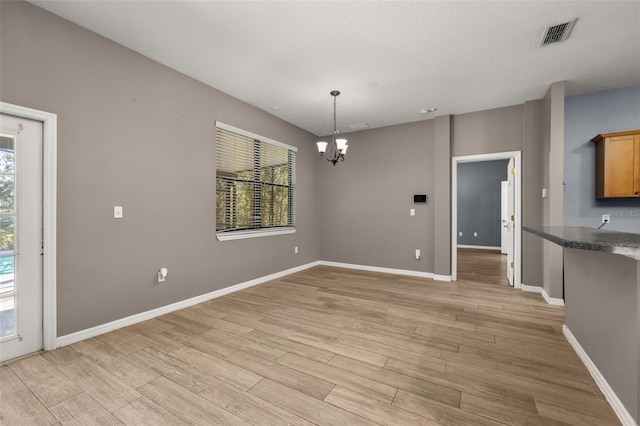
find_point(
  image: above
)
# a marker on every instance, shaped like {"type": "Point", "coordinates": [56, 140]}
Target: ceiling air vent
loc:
{"type": "Point", "coordinates": [358, 126]}
{"type": "Point", "coordinates": [556, 33]}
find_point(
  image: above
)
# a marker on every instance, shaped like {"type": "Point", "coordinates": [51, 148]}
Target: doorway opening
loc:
{"type": "Point", "coordinates": [483, 266]}
{"type": "Point", "coordinates": [485, 250]}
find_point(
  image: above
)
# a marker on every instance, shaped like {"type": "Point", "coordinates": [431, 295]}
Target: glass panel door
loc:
{"type": "Point", "coordinates": [8, 326]}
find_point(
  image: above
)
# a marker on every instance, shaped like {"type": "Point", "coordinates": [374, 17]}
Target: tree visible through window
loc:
{"type": "Point", "coordinates": [254, 182]}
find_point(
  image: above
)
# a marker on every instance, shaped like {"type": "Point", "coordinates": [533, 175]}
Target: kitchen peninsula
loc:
{"type": "Point", "coordinates": [601, 296]}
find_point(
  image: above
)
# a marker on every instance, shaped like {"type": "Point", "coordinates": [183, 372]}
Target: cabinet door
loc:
{"type": "Point", "coordinates": [622, 166]}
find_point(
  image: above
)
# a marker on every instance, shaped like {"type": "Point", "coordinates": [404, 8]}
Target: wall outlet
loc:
{"type": "Point", "coordinates": [475, 234]}
{"type": "Point", "coordinates": [417, 254]}
{"type": "Point", "coordinates": [412, 212]}
{"type": "Point", "coordinates": [295, 249]}
{"type": "Point", "coordinates": [459, 234]}
{"type": "Point", "coordinates": [606, 218]}
{"type": "Point", "coordinates": [162, 275]}
{"type": "Point", "coordinates": [117, 212]}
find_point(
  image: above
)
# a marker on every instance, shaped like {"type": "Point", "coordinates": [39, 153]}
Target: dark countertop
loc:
{"type": "Point", "coordinates": [623, 243]}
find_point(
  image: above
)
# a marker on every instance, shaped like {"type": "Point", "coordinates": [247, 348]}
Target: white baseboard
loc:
{"type": "Point", "coordinates": [625, 417]}
{"type": "Point", "coordinates": [552, 300]}
{"type": "Point", "coordinates": [143, 316]}
{"type": "Point", "coordinates": [531, 288]}
{"type": "Point", "coordinates": [469, 246]}
{"type": "Point", "coordinates": [384, 270]}
{"type": "Point", "coordinates": [446, 278]}
{"type": "Point", "coordinates": [545, 295]}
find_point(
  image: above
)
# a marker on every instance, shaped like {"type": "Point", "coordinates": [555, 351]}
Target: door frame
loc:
{"type": "Point", "coordinates": [49, 202]}
{"type": "Point", "coordinates": [503, 186]}
{"type": "Point", "coordinates": [517, 249]}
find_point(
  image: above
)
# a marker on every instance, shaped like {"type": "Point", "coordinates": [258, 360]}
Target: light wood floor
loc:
{"type": "Point", "coordinates": [483, 266]}
{"type": "Point", "coordinates": [323, 346]}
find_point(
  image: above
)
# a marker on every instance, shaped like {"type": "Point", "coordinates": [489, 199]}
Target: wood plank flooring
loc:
{"type": "Point", "coordinates": [325, 346]}
{"type": "Point", "coordinates": [484, 266]}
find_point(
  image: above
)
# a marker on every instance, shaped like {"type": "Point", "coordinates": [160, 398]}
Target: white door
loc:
{"type": "Point", "coordinates": [510, 218]}
{"type": "Point", "coordinates": [504, 215]}
{"type": "Point", "coordinates": [20, 236]}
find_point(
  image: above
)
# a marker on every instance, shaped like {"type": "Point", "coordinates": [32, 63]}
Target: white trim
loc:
{"type": "Point", "coordinates": [517, 249]}
{"type": "Point", "coordinates": [49, 202]}
{"type": "Point", "coordinates": [446, 278]}
{"type": "Point", "coordinates": [537, 289]}
{"type": "Point", "coordinates": [532, 288]}
{"type": "Point", "coordinates": [551, 300]}
{"type": "Point", "coordinates": [143, 316]}
{"type": "Point", "coordinates": [251, 135]}
{"type": "Point", "coordinates": [469, 246]}
{"type": "Point", "coordinates": [254, 233]}
{"type": "Point", "coordinates": [618, 407]}
{"type": "Point", "coordinates": [385, 270]}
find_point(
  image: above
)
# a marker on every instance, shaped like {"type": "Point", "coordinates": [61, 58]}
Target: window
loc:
{"type": "Point", "coordinates": [255, 179]}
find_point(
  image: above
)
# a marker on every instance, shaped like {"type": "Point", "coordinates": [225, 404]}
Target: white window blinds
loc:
{"type": "Point", "coordinates": [254, 183]}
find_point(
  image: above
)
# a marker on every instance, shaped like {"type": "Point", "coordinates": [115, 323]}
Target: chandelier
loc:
{"type": "Point", "coordinates": [336, 150]}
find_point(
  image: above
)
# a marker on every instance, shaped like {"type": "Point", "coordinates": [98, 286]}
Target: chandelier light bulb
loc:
{"type": "Point", "coordinates": [322, 147]}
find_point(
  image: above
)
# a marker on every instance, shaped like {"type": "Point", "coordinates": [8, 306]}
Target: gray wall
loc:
{"type": "Point", "coordinates": [480, 202]}
{"type": "Point", "coordinates": [487, 132]}
{"type": "Point", "coordinates": [553, 175]}
{"type": "Point", "coordinates": [532, 183]}
{"type": "Point", "coordinates": [365, 201]}
{"type": "Point", "coordinates": [586, 116]}
{"type": "Point", "coordinates": [132, 132]}
{"type": "Point", "coordinates": [442, 195]}
{"type": "Point", "coordinates": [601, 310]}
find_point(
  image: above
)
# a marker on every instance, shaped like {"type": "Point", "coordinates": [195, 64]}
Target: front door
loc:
{"type": "Point", "coordinates": [20, 236]}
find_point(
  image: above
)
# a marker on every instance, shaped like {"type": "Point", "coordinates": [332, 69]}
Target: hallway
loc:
{"type": "Point", "coordinates": [483, 266]}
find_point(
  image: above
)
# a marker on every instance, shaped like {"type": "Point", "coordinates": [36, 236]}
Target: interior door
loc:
{"type": "Point", "coordinates": [510, 219]}
{"type": "Point", "coordinates": [504, 216]}
{"type": "Point", "coordinates": [20, 236]}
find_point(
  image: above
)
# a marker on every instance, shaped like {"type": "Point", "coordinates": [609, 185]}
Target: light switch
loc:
{"type": "Point", "coordinates": [412, 212]}
{"type": "Point", "coordinates": [117, 212]}
{"type": "Point", "coordinates": [544, 192]}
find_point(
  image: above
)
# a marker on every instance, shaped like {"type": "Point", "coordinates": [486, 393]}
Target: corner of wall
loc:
{"type": "Point", "coordinates": [553, 157]}
{"type": "Point", "coordinates": [442, 195]}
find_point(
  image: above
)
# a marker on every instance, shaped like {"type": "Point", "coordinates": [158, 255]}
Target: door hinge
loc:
{"type": "Point", "coordinates": [513, 218]}
{"type": "Point", "coordinates": [513, 170]}
{"type": "Point", "coordinates": [513, 265]}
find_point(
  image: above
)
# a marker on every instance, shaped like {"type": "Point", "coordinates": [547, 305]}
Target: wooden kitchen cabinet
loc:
{"type": "Point", "coordinates": [618, 164]}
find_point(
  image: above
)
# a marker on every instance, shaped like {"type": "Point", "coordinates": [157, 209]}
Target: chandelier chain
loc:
{"type": "Point", "coordinates": [338, 149]}
{"type": "Point", "coordinates": [335, 128]}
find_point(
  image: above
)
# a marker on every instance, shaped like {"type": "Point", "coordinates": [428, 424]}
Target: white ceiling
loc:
{"type": "Point", "coordinates": [389, 59]}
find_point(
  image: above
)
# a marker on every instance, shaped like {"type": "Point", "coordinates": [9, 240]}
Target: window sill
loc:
{"type": "Point", "coordinates": [240, 235]}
